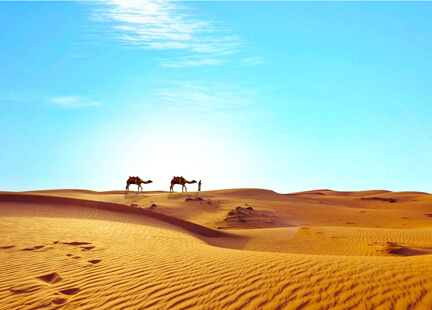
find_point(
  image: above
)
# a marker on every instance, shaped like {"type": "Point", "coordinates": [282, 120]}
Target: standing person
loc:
{"type": "Point", "coordinates": [199, 185]}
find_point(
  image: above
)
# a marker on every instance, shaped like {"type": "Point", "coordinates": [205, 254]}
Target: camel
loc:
{"type": "Point", "coordinates": [181, 181]}
{"type": "Point", "coordinates": [136, 181]}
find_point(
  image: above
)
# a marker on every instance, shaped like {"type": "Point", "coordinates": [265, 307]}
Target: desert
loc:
{"type": "Point", "coordinates": [297, 136]}
{"type": "Point", "coordinates": [222, 249]}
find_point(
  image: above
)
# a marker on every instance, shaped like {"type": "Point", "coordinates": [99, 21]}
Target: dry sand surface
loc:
{"type": "Point", "coordinates": [226, 249]}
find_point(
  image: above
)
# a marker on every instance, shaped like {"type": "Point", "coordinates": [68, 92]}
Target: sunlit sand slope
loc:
{"type": "Point", "coordinates": [66, 254]}
{"type": "Point", "coordinates": [371, 209]}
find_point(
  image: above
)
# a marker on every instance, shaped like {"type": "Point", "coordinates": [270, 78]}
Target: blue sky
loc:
{"type": "Point", "coordinates": [288, 96]}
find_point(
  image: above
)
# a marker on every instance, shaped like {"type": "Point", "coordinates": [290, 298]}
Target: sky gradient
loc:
{"type": "Point", "coordinates": [288, 96]}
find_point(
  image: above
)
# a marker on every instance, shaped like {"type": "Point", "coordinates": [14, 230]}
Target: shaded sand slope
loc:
{"type": "Point", "coordinates": [70, 203]}
{"type": "Point", "coordinates": [77, 254]}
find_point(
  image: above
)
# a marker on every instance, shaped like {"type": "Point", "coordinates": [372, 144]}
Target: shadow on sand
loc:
{"type": "Point", "coordinates": [133, 195]}
{"type": "Point", "coordinates": [178, 195]}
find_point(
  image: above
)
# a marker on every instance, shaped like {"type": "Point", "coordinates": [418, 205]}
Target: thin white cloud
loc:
{"type": "Point", "coordinates": [188, 62]}
{"type": "Point", "coordinates": [164, 25]}
{"type": "Point", "coordinates": [73, 102]}
{"type": "Point", "coordinates": [252, 61]}
{"type": "Point", "coordinates": [167, 45]}
{"type": "Point", "coordinates": [199, 96]}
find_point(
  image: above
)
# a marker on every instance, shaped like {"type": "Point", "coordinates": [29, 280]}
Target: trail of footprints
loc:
{"type": "Point", "coordinates": [85, 246]}
{"type": "Point", "coordinates": [53, 278]}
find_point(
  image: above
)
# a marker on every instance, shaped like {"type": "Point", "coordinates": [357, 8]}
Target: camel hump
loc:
{"type": "Point", "coordinates": [177, 179]}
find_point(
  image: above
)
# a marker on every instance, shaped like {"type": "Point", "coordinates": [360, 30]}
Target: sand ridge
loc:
{"type": "Point", "coordinates": [156, 250]}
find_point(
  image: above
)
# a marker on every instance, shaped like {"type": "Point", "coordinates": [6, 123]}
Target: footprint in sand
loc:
{"type": "Point", "coordinates": [6, 247]}
{"type": "Point", "coordinates": [73, 256]}
{"type": "Point", "coordinates": [34, 248]}
{"type": "Point", "coordinates": [70, 291]}
{"type": "Point", "coordinates": [58, 301]}
{"type": "Point", "coordinates": [87, 248]}
{"type": "Point", "coordinates": [34, 285]}
{"type": "Point", "coordinates": [51, 278]}
{"type": "Point", "coordinates": [75, 243]}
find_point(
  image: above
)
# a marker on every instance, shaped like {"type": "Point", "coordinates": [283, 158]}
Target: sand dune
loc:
{"type": "Point", "coordinates": [227, 249]}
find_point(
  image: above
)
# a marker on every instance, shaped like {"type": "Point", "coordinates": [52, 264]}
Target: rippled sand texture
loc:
{"type": "Point", "coordinates": [312, 250]}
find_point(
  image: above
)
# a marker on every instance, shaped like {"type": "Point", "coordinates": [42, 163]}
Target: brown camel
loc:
{"type": "Point", "coordinates": [136, 181]}
{"type": "Point", "coordinates": [181, 181]}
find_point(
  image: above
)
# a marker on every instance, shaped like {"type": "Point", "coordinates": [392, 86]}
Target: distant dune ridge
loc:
{"type": "Point", "coordinates": [224, 249]}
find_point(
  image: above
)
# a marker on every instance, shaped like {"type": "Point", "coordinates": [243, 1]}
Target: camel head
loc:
{"type": "Point", "coordinates": [193, 181]}
{"type": "Point", "coordinates": [149, 181]}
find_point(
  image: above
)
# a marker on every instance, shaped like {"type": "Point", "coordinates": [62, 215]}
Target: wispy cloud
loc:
{"type": "Point", "coordinates": [191, 62]}
{"type": "Point", "coordinates": [252, 61]}
{"type": "Point", "coordinates": [73, 102]}
{"type": "Point", "coordinates": [164, 25]}
{"type": "Point", "coordinates": [206, 97]}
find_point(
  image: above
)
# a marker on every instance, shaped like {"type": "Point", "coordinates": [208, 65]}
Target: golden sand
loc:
{"type": "Point", "coordinates": [227, 249]}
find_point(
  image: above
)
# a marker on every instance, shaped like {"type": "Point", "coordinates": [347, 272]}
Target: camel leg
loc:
{"type": "Point", "coordinates": [127, 187]}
